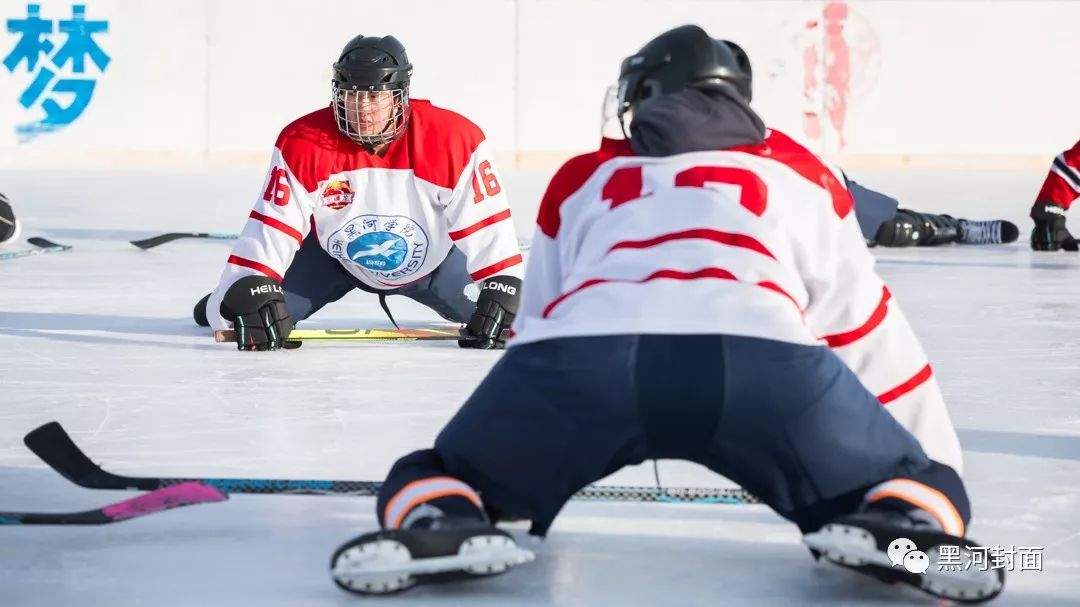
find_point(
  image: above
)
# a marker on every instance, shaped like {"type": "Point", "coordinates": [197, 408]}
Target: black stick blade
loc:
{"type": "Point", "coordinates": [45, 243]}
{"type": "Point", "coordinates": [153, 241]}
{"type": "Point", "coordinates": [52, 444]}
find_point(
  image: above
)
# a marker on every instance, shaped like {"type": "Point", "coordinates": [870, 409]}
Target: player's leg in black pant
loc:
{"type": "Point", "coordinates": [550, 418]}
{"type": "Point", "coordinates": [444, 289]}
{"type": "Point", "coordinates": [314, 279]}
{"type": "Point", "coordinates": [799, 430]}
{"type": "Point", "coordinates": [872, 209]}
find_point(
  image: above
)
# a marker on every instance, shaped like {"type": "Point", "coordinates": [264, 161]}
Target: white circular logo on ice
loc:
{"type": "Point", "coordinates": [389, 246]}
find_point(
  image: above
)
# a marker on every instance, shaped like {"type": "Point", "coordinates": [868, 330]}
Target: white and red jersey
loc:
{"type": "Point", "coordinates": [389, 220]}
{"type": "Point", "coordinates": [757, 241]}
{"type": "Point", "coordinates": [1062, 185]}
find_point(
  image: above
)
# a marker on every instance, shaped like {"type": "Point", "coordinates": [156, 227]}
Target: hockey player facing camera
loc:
{"type": "Point", "coordinates": [377, 192]}
{"type": "Point", "coordinates": [700, 291]}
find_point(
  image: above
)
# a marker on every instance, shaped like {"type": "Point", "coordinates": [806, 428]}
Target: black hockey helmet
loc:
{"type": "Point", "coordinates": [743, 61]}
{"type": "Point", "coordinates": [678, 59]}
{"type": "Point", "coordinates": [372, 70]}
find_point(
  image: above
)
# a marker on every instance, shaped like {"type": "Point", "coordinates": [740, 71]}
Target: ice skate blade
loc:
{"type": "Point", "coordinates": [851, 546]}
{"type": "Point", "coordinates": [385, 566]}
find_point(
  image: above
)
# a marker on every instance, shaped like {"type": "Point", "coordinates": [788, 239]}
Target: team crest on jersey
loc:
{"type": "Point", "coordinates": [337, 194]}
{"type": "Point", "coordinates": [389, 246]}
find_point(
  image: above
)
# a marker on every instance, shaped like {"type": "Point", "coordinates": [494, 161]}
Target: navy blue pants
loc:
{"type": "Point", "coordinates": [790, 423]}
{"type": "Point", "coordinates": [315, 279]}
{"type": "Point", "coordinates": [872, 208]}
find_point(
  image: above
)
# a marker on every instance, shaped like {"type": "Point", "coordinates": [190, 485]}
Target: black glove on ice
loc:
{"type": "Point", "coordinates": [1050, 233]}
{"type": "Point", "coordinates": [495, 310]}
{"type": "Point", "coordinates": [256, 307]}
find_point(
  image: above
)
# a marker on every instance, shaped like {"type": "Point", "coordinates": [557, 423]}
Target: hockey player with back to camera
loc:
{"type": "Point", "coordinates": [378, 192]}
{"type": "Point", "coordinates": [1059, 190]}
{"type": "Point", "coordinates": [700, 291]}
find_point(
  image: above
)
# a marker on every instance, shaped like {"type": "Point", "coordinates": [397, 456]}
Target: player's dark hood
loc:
{"type": "Point", "coordinates": [694, 120]}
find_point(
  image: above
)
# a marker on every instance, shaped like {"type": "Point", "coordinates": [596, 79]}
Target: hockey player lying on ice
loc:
{"type": "Point", "coordinates": [377, 192]}
{"type": "Point", "coordinates": [701, 291]}
{"type": "Point", "coordinates": [881, 220]}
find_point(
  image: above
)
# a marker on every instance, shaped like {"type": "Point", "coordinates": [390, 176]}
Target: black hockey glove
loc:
{"type": "Point", "coordinates": [495, 311]}
{"type": "Point", "coordinates": [1050, 233]}
{"type": "Point", "coordinates": [256, 307]}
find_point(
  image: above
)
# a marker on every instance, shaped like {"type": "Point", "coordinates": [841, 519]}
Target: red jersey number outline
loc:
{"type": "Point", "coordinates": [277, 188]}
{"type": "Point", "coordinates": [491, 183]}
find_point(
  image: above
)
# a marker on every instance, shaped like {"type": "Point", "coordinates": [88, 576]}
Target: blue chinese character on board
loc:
{"type": "Point", "coordinates": [56, 54]}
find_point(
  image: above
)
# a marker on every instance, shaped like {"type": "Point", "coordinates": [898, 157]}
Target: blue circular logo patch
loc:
{"type": "Point", "coordinates": [389, 248]}
{"type": "Point", "coordinates": [378, 251]}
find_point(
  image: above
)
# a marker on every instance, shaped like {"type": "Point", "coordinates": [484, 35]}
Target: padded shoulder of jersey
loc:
{"type": "Point", "coordinates": [570, 177]}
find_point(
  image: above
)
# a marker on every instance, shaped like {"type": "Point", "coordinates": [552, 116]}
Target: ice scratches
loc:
{"type": "Point", "coordinates": [105, 419]}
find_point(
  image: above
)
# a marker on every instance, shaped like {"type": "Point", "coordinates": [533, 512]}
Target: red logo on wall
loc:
{"type": "Point", "coordinates": [337, 194]}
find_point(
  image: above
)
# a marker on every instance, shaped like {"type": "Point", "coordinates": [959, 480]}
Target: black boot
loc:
{"type": "Point", "coordinates": [893, 546]}
{"type": "Point", "coordinates": [910, 228]}
{"type": "Point", "coordinates": [200, 312]}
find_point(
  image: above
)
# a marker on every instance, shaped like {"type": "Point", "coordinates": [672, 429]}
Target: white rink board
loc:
{"type": "Point", "coordinates": [101, 339]}
{"type": "Point", "coordinates": [196, 81]}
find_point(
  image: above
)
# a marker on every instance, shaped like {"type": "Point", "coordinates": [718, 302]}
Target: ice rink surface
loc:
{"type": "Point", "coordinates": [101, 339]}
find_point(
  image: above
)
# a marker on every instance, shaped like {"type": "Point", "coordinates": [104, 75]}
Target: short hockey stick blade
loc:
{"type": "Point", "coordinates": [359, 335]}
{"type": "Point", "coordinates": [153, 241]}
{"type": "Point", "coordinates": [52, 444]}
{"type": "Point", "coordinates": [160, 500]}
{"type": "Point", "coordinates": [45, 243]}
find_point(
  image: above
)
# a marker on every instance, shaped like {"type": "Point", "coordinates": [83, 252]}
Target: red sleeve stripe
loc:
{"type": "Point", "coordinates": [719, 273]}
{"type": "Point", "coordinates": [850, 337]}
{"type": "Point", "coordinates": [278, 225]}
{"type": "Point", "coordinates": [1068, 173]}
{"type": "Point", "coordinates": [483, 223]}
{"type": "Point", "coordinates": [495, 268]}
{"type": "Point", "coordinates": [727, 238]}
{"type": "Point", "coordinates": [254, 265]}
{"type": "Point", "coordinates": [916, 380]}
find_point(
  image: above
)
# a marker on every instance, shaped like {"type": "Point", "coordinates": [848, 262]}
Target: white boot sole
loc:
{"type": "Point", "coordinates": [384, 566]}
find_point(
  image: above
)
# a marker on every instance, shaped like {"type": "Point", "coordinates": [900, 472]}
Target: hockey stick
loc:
{"type": "Point", "coordinates": [359, 335]}
{"type": "Point", "coordinates": [160, 500]}
{"type": "Point", "coordinates": [153, 241]}
{"type": "Point", "coordinates": [53, 445]}
{"type": "Point", "coordinates": [46, 246]}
